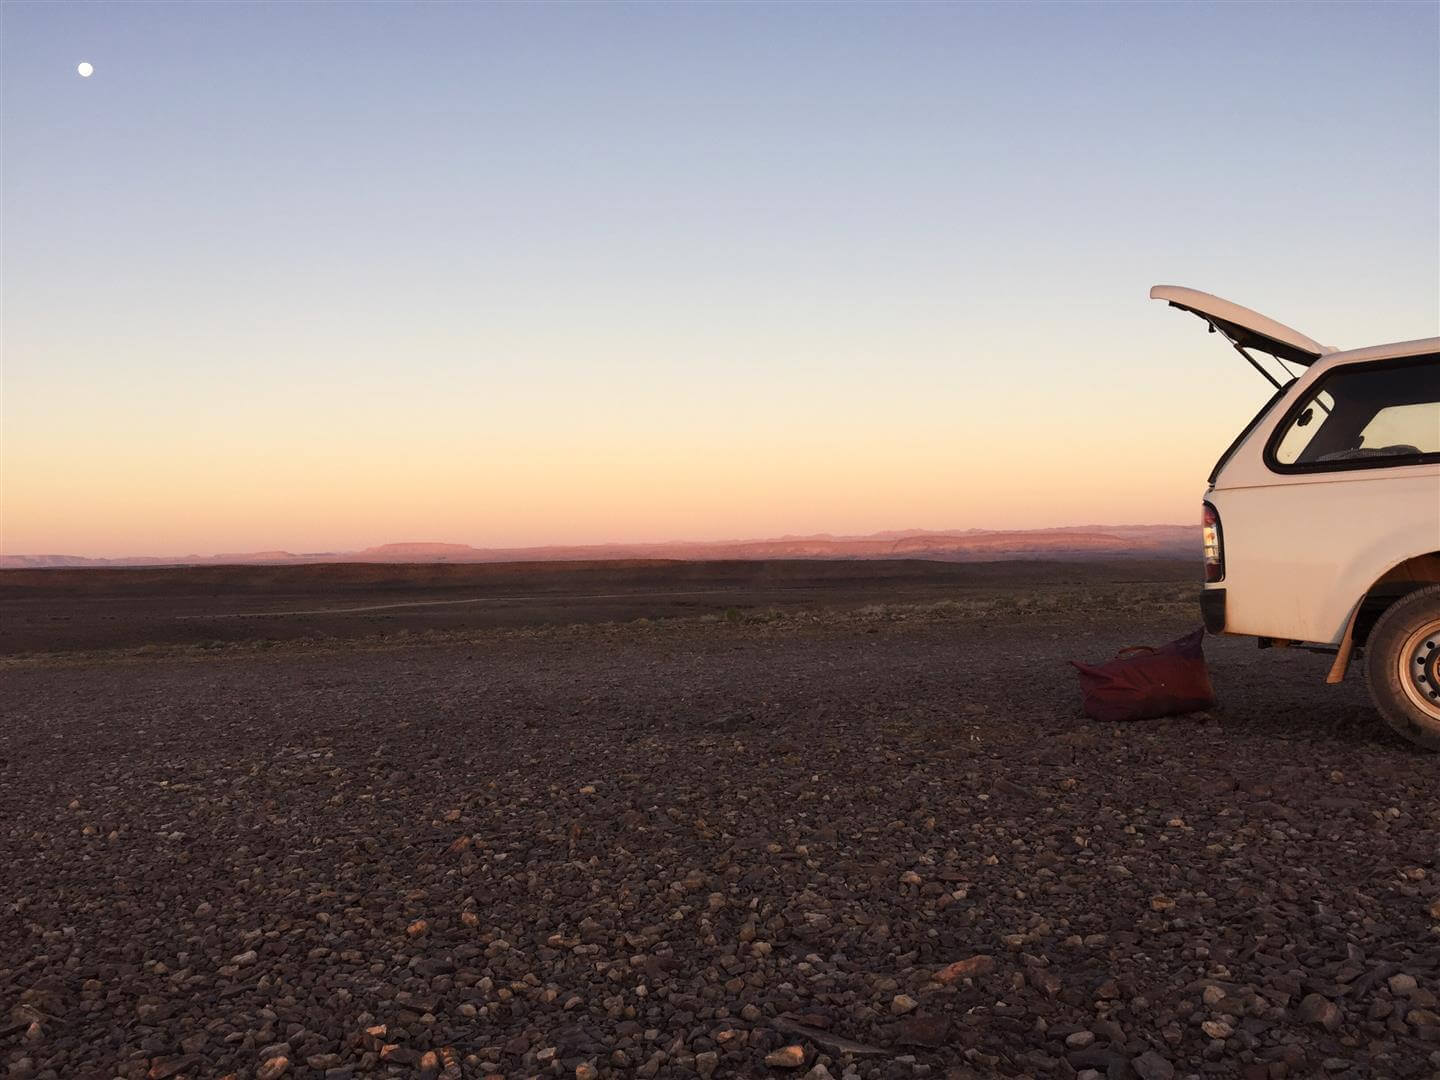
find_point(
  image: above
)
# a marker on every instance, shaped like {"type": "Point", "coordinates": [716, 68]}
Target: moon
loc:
{"type": "Point", "coordinates": [86, 69]}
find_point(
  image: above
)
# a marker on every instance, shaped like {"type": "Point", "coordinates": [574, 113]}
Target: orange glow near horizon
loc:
{"type": "Point", "coordinates": [323, 449]}
{"type": "Point", "coordinates": [135, 497]}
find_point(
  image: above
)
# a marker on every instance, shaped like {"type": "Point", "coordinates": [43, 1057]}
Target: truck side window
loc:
{"type": "Point", "coordinates": [1363, 416]}
{"type": "Point", "coordinates": [1304, 427]}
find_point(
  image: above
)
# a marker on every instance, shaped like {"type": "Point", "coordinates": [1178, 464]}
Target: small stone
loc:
{"type": "Point", "coordinates": [1217, 1029]}
{"type": "Point", "coordinates": [819, 1072]}
{"type": "Point", "coordinates": [909, 877]}
{"type": "Point", "coordinates": [787, 1057]}
{"type": "Point", "coordinates": [245, 959]}
{"type": "Point", "coordinates": [165, 1068]}
{"type": "Point", "coordinates": [1402, 985]}
{"type": "Point", "coordinates": [1078, 1040]}
{"type": "Point", "coordinates": [1317, 1009]}
{"type": "Point", "coordinates": [1435, 908]}
{"type": "Point", "coordinates": [751, 1013]}
{"type": "Point", "coordinates": [273, 1068]}
{"type": "Point", "coordinates": [1161, 903]}
{"type": "Point", "coordinates": [706, 1063]}
{"type": "Point", "coordinates": [902, 1004]}
{"type": "Point", "coordinates": [417, 928]}
{"type": "Point", "coordinates": [586, 1071]}
{"type": "Point", "coordinates": [966, 969]}
{"type": "Point", "coordinates": [452, 816]}
{"type": "Point", "coordinates": [1212, 996]}
{"type": "Point", "coordinates": [1151, 1066]}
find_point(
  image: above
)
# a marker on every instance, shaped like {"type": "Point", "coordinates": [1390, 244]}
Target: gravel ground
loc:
{"type": "Point", "coordinates": [882, 844]}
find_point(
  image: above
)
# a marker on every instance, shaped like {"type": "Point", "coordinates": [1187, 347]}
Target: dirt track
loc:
{"type": "Point", "coordinates": [654, 849]}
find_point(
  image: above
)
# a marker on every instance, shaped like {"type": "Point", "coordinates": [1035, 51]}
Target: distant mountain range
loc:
{"type": "Point", "coordinates": [970, 545]}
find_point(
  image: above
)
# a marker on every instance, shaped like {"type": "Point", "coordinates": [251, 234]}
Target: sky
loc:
{"type": "Point", "coordinates": [320, 276]}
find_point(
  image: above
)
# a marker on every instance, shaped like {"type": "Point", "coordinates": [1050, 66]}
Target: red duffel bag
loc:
{"type": "Point", "coordinates": [1142, 683]}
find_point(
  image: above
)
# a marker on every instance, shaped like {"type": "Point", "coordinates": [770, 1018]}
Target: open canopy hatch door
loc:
{"type": "Point", "coordinates": [1246, 329]}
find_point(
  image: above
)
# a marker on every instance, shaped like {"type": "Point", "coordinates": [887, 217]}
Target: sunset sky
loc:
{"type": "Point", "coordinates": [321, 276]}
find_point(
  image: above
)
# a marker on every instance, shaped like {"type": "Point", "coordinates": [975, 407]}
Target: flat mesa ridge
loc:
{"type": "Point", "coordinates": [1072, 541]}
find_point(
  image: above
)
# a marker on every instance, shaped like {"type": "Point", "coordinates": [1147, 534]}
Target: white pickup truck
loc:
{"type": "Point", "coordinates": [1322, 520]}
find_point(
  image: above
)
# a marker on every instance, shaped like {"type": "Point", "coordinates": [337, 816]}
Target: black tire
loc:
{"type": "Point", "coordinates": [1402, 665]}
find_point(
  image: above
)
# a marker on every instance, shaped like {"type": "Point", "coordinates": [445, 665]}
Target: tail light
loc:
{"type": "Point", "coordinates": [1214, 543]}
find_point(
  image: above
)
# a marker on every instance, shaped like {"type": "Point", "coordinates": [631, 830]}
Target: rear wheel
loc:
{"type": "Point", "coordinates": [1402, 663]}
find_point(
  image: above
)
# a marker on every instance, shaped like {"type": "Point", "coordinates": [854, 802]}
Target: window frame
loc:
{"type": "Point", "coordinates": [1278, 432]}
{"type": "Point", "coordinates": [1249, 429]}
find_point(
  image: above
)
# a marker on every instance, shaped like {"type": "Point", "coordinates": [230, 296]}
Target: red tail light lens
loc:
{"type": "Point", "coordinates": [1214, 543]}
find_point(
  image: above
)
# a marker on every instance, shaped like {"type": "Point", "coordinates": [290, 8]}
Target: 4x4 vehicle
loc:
{"type": "Point", "coordinates": [1322, 520]}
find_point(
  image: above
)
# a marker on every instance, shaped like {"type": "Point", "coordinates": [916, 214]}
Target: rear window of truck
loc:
{"type": "Point", "coordinates": [1375, 415]}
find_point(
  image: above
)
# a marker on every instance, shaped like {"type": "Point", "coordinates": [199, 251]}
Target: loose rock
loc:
{"type": "Point", "coordinates": [1317, 1009]}
{"type": "Point", "coordinates": [966, 969]}
{"type": "Point", "coordinates": [787, 1057]}
{"type": "Point", "coordinates": [1151, 1066]}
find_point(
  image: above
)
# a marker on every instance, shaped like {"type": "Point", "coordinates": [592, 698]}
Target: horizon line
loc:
{"type": "Point", "coordinates": [882, 534]}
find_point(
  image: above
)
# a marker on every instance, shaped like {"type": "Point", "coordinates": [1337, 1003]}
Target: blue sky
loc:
{"type": "Point", "coordinates": [322, 275]}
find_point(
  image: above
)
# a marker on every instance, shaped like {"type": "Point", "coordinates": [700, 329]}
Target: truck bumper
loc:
{"type": "Point", "coordinates": [1212, 609]}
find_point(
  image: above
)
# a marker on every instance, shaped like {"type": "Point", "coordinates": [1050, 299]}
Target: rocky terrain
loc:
{"type": "Point", "coordinates": [217, 606]}
{"type": "Point", "coordinates": [879, 842]}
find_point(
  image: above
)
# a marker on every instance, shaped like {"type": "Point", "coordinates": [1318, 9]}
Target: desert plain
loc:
{"type": "Point", "coordinates": [802, 819]}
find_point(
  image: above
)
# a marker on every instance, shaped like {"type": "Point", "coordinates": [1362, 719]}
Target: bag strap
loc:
{"type": "Point", "coordinates": [1134, 649]}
